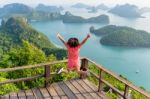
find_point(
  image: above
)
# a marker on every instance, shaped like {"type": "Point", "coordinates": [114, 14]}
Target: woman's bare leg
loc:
{"type": "Point", "coordinates": [81, 73]}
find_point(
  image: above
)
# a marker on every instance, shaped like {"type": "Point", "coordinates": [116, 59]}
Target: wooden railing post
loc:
{"type": "Point", "coordinates": [100, 82]}
{"type": "Point", "coordinates": [84, 65]}
{"type": "Point", "coordinates": [126, 92]}
{"type": "Point", "coordinates": [47, 75]}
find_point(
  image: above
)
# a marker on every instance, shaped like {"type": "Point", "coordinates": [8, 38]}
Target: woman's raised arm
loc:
{"type": "Point", "coordinates": [61, 38]}
{"type": "Point", "coordinates": [84, 40]}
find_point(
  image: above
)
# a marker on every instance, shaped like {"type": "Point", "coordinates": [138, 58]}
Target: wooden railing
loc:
{"type": "Point", "coordinates": [125, 82]}
{"type": "Point", "coordinates": [84, 63]}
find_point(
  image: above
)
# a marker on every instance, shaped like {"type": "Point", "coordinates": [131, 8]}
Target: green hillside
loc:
{"type": "Point", "coordinates": [16, 29]}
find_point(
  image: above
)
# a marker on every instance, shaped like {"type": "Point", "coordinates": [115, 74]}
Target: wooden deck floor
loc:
{"type": "Point", "coordinates": [72, 89]}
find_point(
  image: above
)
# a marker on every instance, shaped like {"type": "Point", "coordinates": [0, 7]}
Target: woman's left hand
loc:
{"type": "Point", "coordinates": [88, 36]}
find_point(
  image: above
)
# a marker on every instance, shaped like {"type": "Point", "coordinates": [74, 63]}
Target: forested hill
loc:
{"type": "Point", "coordinates": [122, 36]}
{"type": "Point", "coordinates": [70, 18]}
{"type": "Point", "coordinates": [16, 29]}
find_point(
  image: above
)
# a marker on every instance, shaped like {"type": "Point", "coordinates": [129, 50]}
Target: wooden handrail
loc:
{"type": "Point", "coordinates": [32, 66]}
{"type": "Point", "coordinates": [84, 63]}
{"type": "Point", "coordinates": [127, 83]}
{"type": "Point", "coordinates": [21, 79]}
{"type": "Point", "coordinates": [108, 84]}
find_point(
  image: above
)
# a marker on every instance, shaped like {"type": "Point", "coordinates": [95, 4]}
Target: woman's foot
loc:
{"type": "Point", "coordinates": [88, 73]}
{"type": "Point", "coordinates": [60, 70]}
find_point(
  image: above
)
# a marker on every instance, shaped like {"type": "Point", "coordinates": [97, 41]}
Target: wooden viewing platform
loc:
{"type": "Point", "coordinates": [71, 89]}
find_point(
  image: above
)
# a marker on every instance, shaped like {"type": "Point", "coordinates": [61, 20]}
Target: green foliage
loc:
{"type": "Point", "coordinates": [112, 95]}
{"type": "Point", "coordinates": [27, 55]}
{"type": "Point", "coordinates": [136, 95]}
{"type": "Point", "coordinates": [59, 53]}
{"type": "Point", "coordinates": [7, 87]}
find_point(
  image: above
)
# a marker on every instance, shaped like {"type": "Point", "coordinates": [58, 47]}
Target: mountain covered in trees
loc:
{"type": "Point", "coordinates": [102, 7]}
{"type": "Point", "coordinates": [49, 9]}
{"type": "Point", "coordinates": [15, 30]}
{"type": "Point", "coordinates": [15, 8]}
{"type": "Point", "coordinates": [41, 12]}
{"type": "Point", "coordinates": [70, 18]}
{"type": "Point", "coordinates": [94, 9]}
{"type": "Point", "coordinates": [126, 10]}
{"type": "Point", "coordinates": [82, 5]}
{"type": "Point", "coordinates": [122, 36]}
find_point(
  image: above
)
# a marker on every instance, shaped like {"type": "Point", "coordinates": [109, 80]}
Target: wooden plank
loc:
{"type": "Point", "coordinates": [94, 88]}
{"type": "Point", "coordinates": [56, 97]}
{"type": "Point", "coordinates": [79, 96]}
{"type": "Point", "coordinates": [37, 93]}
{"type": "Point", "coordinates": [13, 95]}
{"type": "Point", "coordinates": [64, 97]}
{"type": "Point", "coordinates": [95, 96]}
{"type": "Point", "coordinates": [52, 91]}
{"type": "Point", "coordinates": [87, 96]}
{"type": "Point", "coordinates": [67, 91]}
{"type": "Point", "coordinates": [45, 93]}
{"type": "Point", "coordinates": [72, 88]}
{"type": "Point", "coordinates": [88, 89]}
{"type": "Point", "coordinates": [4, 97]}
{"type": "Point", "coordinates": [29, 94]}
{"type": "Point", "coordinates": [21, 95]}
{"type": "Point", "coordinates": [91, 85]}
{"type": "Point", "coordinates": [58, 89]}
{"type": "Point", "coordinates": [78, 86]}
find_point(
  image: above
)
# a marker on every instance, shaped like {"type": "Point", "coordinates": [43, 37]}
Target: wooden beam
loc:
{"type": "Point", "coordinates": [108, 84]}
{"type": "Point", "coordinates": [100, 82]}
{"type": "Point", "coordinates": [84, 65]}
{"type": "Point", "coordinates": [47, 75]}
{"type": "Point", "coordinates": [31, 66]}
{"type": "Point", "coordinates": [21, 79]}
{"type": "Point", "coordinates": [126, 92]}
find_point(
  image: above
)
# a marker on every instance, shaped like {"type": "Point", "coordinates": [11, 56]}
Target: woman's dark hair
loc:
{"type": "Point", "coordinates": [73, 42]}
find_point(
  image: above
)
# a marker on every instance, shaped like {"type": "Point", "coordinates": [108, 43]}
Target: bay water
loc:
{"type": "Point", "coordinates": [121, 60]}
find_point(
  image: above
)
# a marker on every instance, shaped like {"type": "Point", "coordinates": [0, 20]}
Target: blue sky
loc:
{"type": "Point", "coordinates": [140, 3]}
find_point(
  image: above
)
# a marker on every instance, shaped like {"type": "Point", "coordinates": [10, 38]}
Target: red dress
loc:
{"type": "Point", "coordinates": [73, 57]}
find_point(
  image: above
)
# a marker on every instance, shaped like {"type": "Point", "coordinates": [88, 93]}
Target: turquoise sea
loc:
{"type": "Point", "coordinates": [124, 61]}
